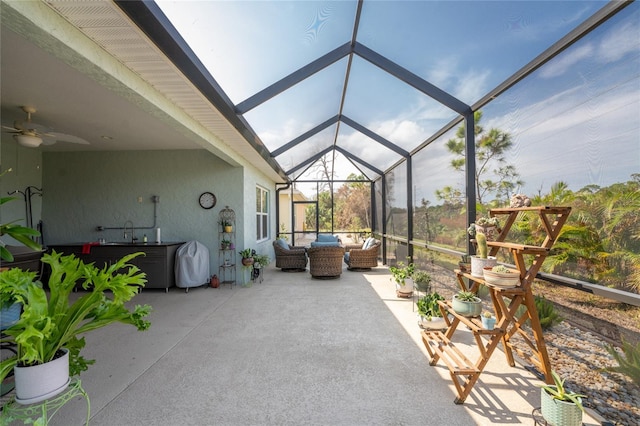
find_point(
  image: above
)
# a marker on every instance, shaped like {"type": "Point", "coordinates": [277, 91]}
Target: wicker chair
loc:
{"type": "Point", "coordinates": [325, 262]}
{"type": "Point", "coordinates": [291, 259]}
{"type": "Point", "coordinates": [359, 259]}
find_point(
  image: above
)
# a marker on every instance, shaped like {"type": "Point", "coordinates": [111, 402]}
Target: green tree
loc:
{"type": "Point", "coordinates": [493, 175]}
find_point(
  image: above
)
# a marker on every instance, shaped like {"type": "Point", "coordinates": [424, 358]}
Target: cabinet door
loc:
{"type": "Point", "coordinates": [155, 266]}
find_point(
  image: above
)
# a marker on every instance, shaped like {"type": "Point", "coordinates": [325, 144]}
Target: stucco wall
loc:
{"type": "Point", "coordinates": [84, 190]}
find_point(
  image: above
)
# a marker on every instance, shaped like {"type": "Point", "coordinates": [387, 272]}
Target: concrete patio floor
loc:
{"type": "Point", "coordinates": [291, 350]}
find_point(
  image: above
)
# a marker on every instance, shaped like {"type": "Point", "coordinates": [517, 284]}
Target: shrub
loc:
{"type": "Point", "coordinates": [628, 365]}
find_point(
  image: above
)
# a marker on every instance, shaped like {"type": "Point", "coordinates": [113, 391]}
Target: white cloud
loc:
{"type": "Point", "coordinates": [618, 42]}
{"type": "Point", "coordinates": [560, 64]}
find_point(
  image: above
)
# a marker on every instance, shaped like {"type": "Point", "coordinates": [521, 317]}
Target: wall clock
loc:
{"type": "Point", "coordinates": [207, 200]}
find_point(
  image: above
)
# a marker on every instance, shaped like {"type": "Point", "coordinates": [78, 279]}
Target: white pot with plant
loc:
{"type": "Point", "coordinates": [429, 311]}
{"type": "Point", "coordinates": [501, 276]}
{"type": "Point", "coordinates": [481, 260]}
{"type": "Point", "coordinates": [401, 275]}
{"type": "Point", "coordinates": [50, 324]}
{"type": "Point", "coordinates": [559, 406]}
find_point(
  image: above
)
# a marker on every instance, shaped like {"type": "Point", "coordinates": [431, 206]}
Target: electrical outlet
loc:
{"type": "Point", "coordinates": [140, 199]}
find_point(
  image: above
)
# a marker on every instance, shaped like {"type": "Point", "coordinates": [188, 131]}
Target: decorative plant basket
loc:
{"type": "Point", "coordinates": [501, 279]}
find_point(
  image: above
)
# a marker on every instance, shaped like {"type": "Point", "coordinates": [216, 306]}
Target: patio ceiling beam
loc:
{"type": "Point", "coordinates": [293, 78]}
{"type": "Point", "coordinates": [411, 79]}
{"type": "Point", "coordinates": [376, 137]}
{"type": "Point", "coordinates": [358, 160]}
{"type": "Point", "coordinates": [306, 135]}
{"type": "Point", "coordinates": [309, 160]}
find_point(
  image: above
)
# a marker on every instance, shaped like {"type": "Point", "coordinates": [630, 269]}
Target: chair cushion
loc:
{"type": "Point", "coordinates": [368, 243]}
{"type": "Point", "coordinates": [346, 258]}
{"type": "Point", "coordinates": [282, 243]}
{"type": "Point", "coordinates": [324, 244]}
{"type": "Point", "coordinates": [324, 238]}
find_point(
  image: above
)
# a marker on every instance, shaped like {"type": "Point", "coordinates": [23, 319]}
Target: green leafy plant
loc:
{"type": "Point", "coordinates": [49, 324]}
{"type": "Point", "coordinates": [428, 305]}
{"type": "Point", "coordinates": [246, 253]}
{"type": "Point", "coordinates": [261, 259]}
{"type": "Point", "coordinates": [22, 234]}
{"type": "Point", "coordinates": [629, 364]}
{"type": "Point", "coordinates": [547, 313]}
{"type": "Point", "coordinates": [559, 392]}
{"type": "Point", "coordinates": [401, 273]}
{"type": "Point", "coordinates": [422, 280]}
{"type": "Point", "coordinates": [224, 223]}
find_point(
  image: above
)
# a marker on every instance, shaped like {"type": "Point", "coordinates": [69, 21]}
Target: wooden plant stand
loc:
{"type": "Point", "coordinates": [506, 302]}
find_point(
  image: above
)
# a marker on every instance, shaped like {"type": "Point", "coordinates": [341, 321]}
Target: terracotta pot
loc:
{"type": "Point", "coordinates": [247, 261]}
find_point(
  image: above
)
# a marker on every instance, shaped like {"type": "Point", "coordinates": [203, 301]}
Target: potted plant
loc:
{"type": "Point", "coordinates": [260, 261]}
{"type": "Point", "coordinates": [501, 276]}
{"type": "Point", "coordinates": [467, 304]}
{"type": "Point", "coordinates": [489, 226]}
{"type": "Point", "coordinates": [225, 244]}
{"type": "Point", "coordinates": [47, 332]}
{"type": "Point", "coordinates": [559, 406]}
{"type": "Point", "coordinates": [422, 280]}
{"type": "Point", "coordinates": [247, 256]}
{"type": "Point", "coordinates": [227, 226]}
{"type": "Point", "coordinates": [481, 260]}
{"type": "Point", "coordinates": [465, 263]}
{"type": "Point", "coordinates": [401, 275]}
{"type": "Point", "coordinates": [429, 311]}
{"type": "Point", "coordinates": [488, 320]}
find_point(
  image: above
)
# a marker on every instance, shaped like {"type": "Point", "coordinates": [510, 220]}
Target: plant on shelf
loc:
{"type": "Point", "coordinates": [227, 225]}
{"type": "Point", "coordinates": [560, 406]}
{"type": "Point", "coordinates": [481, 260]}
{"type": "Point", "coordinates": [428, 306]}
{"type": "Point", "coordinates": [488, 320]}
{"type": "Point", "coordinates": [225, 244]}
{"type": "Point", "coordinates": [51, 322]}
{"type": "Point", "coordinates": [422, 280]}
{"type": "Point", "coordinates": [467, 304]}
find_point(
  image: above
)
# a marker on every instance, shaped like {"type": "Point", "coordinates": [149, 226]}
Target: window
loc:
{"type": "Point", "coordinates": [262, 214]}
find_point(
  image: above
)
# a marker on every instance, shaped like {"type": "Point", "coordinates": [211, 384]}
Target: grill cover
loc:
{"type": "Point", "coordinates": [192, 265]}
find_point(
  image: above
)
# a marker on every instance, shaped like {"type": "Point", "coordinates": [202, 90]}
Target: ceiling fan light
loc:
{"type": "Point", "coordinates": [28, 140]}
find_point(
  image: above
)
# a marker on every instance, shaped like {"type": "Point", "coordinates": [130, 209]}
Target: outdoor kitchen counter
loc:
{"type": "Point", "coordinates": [158, 261]}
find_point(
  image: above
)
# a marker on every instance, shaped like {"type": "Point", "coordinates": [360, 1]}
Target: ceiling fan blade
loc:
{"type": "Point", "coordinates": [49, 138]}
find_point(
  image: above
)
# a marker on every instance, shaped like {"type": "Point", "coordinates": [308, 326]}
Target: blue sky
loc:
{"type": "Point", "coordinates": [575, 119]}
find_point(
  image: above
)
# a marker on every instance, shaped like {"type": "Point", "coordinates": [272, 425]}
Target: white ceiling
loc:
{"type": "Point", "coordinates": [75, 96]}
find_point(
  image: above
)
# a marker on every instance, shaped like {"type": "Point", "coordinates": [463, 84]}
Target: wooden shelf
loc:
{"type": "Point", "coordinates": [506, 303]}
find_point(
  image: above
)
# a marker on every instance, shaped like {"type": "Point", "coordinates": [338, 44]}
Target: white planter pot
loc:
{"type": "Point", "coordinates": [40, 382]}
{"type": "Point", "coordinates": [407, 288]}
{"type": "Point", "coordinates": [478, 264]}
{"type": "Point", "coordinates": [559, 413]}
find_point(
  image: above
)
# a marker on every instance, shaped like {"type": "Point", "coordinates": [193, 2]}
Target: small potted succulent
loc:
{"type": "Point", "coordinates": [488, 320]}
{"type": "Point", "coordinates": [501, 276]}
{"type": "Point", "coordinates": [225, 244]}
{"type": "Point", "coordinates": [481, 260]}
{"type": "Point", "coordinates": [226, 225]}
{"type": "Point", "coordinates": [467, 304]}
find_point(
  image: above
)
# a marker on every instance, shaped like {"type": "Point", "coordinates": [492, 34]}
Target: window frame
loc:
{"type": "Point", "coordinates": [262, 224]}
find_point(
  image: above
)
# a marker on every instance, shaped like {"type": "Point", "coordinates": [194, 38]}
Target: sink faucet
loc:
{"type": "Point", "coordinates": [133, 235]}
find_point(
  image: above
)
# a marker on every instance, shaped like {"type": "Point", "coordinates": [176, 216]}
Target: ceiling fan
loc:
{"type": "Point", "coordinates": [32, 135]}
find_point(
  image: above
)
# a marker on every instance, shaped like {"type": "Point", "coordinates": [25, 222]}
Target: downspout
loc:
{"type": "Point", "coordinates": [286, 186]}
